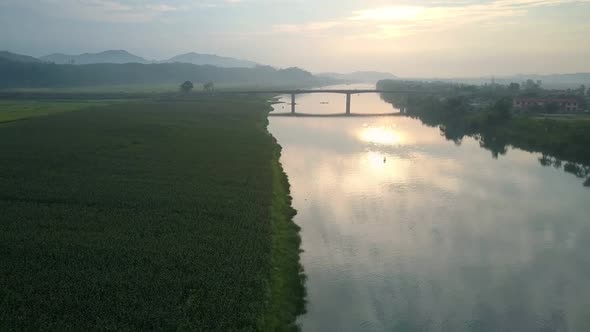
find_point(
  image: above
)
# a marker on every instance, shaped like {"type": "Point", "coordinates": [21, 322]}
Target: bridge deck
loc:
{"type": "Point", "coordinates": [296, 92]}
{"type": "Point", "coordinates": [335, 115]}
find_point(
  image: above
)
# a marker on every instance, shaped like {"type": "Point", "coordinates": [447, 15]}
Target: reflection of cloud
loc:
{"type": "Point", "coordinates": [422, 230]}
{"type": "Point", "coordinates": [434, 224]}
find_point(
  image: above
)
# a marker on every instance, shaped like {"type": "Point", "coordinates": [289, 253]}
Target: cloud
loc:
{"type": "Point", "coordinates": [406, 19]}
{"type": "Point", "coordinates": [114, 10]}
{"type": "Point", "coordinates": [161, 8]}
{"type": "Point", "coordinates": [99, 10]}
{"type": "Point", "coordinates": [389, 13]}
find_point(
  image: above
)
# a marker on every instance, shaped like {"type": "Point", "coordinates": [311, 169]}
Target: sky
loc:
{"type": "Point", "coordinates": [429, 38]}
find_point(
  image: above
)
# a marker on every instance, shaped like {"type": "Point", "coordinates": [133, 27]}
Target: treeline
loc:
{"type": "Point", "coordinates": [485, 113]}
{"type": "Point", "coordinates": [14, 74]}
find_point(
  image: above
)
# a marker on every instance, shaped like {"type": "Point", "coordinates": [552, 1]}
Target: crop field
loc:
{"type": "Point", "coordinates": [170, 215]}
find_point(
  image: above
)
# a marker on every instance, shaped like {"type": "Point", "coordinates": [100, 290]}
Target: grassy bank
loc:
{"type": "Point", "coordinates": [287, 292]}
{"type": "Point", "coordinates": [147, 216]}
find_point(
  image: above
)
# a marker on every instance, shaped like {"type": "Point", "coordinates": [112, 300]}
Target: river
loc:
{"type": "Point", "coordinates": [403, 230]}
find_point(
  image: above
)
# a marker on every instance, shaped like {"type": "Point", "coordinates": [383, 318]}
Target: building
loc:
{"type": "Point", "coordinates": [563, 104]}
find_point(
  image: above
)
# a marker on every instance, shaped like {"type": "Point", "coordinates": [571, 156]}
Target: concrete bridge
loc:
{"type": "Point", "coordinates": [337, 115]}
{"type": "Point", "coordinates": [294, 93]}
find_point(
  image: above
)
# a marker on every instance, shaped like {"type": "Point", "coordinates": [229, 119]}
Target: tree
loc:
{"type": "Point", "coordinates": [514, 87]}
{"type": "Point", "coordinates": [531, 86]}
{"type": "Point", "coordinates": [551, 108]}
{"type": "Point", "coordinates": [186, 87]}
{"type": "Point", "coordinates": [502, 109]}
{"type": "Point", "coordinates": [209, 87]}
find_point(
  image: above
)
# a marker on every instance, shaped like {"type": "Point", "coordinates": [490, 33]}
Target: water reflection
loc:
{"type": "Point", "coordinates": [405, 231]}
{"type": "Point", "coordinates": [380, 135]}
{"type": "Point", "coordinates": [448, 114]}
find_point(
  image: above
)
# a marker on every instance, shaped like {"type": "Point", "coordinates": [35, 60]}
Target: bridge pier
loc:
{"type": "Point", "coordinates": [292, 103]}
{"type": "Point", "coordinates": [348, 95]}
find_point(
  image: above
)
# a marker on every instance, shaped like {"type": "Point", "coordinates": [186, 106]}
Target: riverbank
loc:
{"type": "Point", "coordinates": [287, 281]}
{"type": "Point", "coordinates": [149, 215]}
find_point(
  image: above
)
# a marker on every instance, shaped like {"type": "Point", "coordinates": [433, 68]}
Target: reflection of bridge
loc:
{"type": "Point", "coordinates": [294, 93]}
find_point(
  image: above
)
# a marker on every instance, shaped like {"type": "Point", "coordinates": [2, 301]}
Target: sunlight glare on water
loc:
{"type": "Point", "coordinates": [380, 135]}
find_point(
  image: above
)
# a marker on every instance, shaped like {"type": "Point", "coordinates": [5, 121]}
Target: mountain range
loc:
{"type": "Point", "coordinates": [22, 72]}
{"type": "Point", "coordinates": [112, 56]}
{"type": "Point", "coordinates": [122, 56]}
{"type": "Point", "coordinates": [212, 60]}
{"type": "Point", "coordinates": [17, 57]}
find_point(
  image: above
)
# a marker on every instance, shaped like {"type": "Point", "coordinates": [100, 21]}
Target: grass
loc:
{"type": "Point", "coordinates": [170, 215]}
{"type": "Point", "coordinates": [563, 117]}
{"type": "Point", "coordinates": [19, 110]}
{"type": "Point", "coordinates": [126, 88]}
{"type": "Point", "coordinates": [154, 88]}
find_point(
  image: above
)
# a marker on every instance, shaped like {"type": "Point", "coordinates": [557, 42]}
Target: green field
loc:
{"type": "Point", "coordinates": [157, 88]}
{"type": "Point", "coordinates": [169, 215]}
{"type": "Point", "coordinates": [19, 110]}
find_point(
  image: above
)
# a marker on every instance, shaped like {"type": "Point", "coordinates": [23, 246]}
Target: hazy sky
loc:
{"type": "Point", "coordinates": [410, 38]}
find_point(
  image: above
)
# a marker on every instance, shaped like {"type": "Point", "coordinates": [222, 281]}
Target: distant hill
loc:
{"type": "Point", "coordinates": [554, 80]}
{"type": "Point", "coordinates": [17, 57]}
{"type": "Point", "coordinates": [551, 81]}
{"type": "Point", "coordinates": [213, 60]}
{"type": "Point", "coordinates": [16, 74]}
{"type": "Point", "coordinates": [359, 76]}
{"type": "Point", "coordinates": [113, 56]}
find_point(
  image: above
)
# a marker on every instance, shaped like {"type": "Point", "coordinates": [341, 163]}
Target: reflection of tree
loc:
{"type": "Point", "coordinates": [449, 108]}
{"type": "Point", "coordinates": [490, 141]}
{"type": "Point", "coordinates": [545, 160]}
{"type": "Point", "coordinates": [579, 170]}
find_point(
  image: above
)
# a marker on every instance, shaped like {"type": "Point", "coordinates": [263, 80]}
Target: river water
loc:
{"type": "Point", "coordinates": [405, 231]}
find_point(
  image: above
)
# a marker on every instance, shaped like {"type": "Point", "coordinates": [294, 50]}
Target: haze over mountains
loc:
{"type": "Point", "coordinates": [114, 68]}
{"type": "Point", "coordinates": [17, 57]}
{"type": "Point", "coordinates": [212, 60]}
{"type": "Point", "coordinates": [122, 56]}
{"type": "Point", "coordinates": [112, 56]}
{"type": "Point", "coordinates": [224, 69]}
{"type": "Point", "coordinates": [360, 76]}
